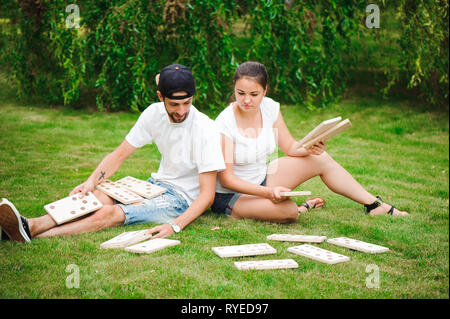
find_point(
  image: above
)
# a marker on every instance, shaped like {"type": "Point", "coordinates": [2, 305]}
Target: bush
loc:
{"type": "Point", "coordinates": [302, 45]}
{"type": "Point", "coordinates": [121, 45]}
{"type": "Point", "coordinates": [424, 57]}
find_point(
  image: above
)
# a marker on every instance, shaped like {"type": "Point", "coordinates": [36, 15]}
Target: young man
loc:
{"type": "Point", "coordinates": [191, 156]}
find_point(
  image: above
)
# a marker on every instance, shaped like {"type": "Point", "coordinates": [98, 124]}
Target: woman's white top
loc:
{"type": "Point", "coordinates": [250, 154]}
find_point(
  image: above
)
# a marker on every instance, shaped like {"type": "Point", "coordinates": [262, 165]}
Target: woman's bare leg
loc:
{"type": "Point", "coordinates": [254, 207]}
{"type": "Point", "coordinates": [292, 171]}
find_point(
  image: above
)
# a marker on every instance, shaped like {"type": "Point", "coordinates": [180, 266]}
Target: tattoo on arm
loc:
{"type": "Point", "coordinates": [102, 176]}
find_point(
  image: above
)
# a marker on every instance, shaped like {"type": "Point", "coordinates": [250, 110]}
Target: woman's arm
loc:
{"type": "Point", "coordinates": [230, 181]}
{"type": "Point", "coordinates": [287, 143]}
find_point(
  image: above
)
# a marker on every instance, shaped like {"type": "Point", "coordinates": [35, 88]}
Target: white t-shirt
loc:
{"type": "Point", "coordinates": [250, 154]}
{"type": "Point", "coordinates": [187, 148]}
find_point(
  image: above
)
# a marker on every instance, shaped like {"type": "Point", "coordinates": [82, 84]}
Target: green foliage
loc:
{"type": "Point", "coordinates": [118, 50]}
{"type": "Point", "coordinates": [308, 47]}
{"type": "Point", "coordinates": [424, 60]}
{"type": "Point", "coordinates": [302, 46]}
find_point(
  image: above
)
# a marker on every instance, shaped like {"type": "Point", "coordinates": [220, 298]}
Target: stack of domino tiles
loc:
{"type": "Point", "coordinates": [140, 187]}
{"type": "Point", "coordinates": [129, 190]}
{"type": "Point", "coordinates": [119, 193]}
{"type": "Point", "coordinates": [132, 241]}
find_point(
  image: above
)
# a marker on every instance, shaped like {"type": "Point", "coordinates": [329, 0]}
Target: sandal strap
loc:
{"type": "Point", "coordinates": [305, 204]}
{"type": "Point", "coordinates": [375, 204]}
{"type": "Point", "coordinates": [391, 211]}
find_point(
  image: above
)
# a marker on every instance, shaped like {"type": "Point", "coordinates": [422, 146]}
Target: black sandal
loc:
{"type": "Point", "coordinates": [375, 204]}
{"type": "Point", "coordinates": [305, 204]}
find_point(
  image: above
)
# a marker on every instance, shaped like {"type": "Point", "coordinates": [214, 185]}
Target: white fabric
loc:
{"type": "Point", "coordinates": [187, 148]}
{"type": "Point", "coordinates": [250, 154]}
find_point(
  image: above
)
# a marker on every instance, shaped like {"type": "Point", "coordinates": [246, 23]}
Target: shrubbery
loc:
{"type": "Point", "coordinates": [121, 45]}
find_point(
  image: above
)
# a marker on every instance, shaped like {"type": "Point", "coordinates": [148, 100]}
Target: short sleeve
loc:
{"type": "Point", "coordinates": [208, 150]}
{"type": "Point", "coordinates": [271, 109]}
{"type": "Point", "coordinates": [222, 128]}
{"type": "Point", "coordinates": [140, 134]}
{"type": "Point", "coordinates": [223, 122]}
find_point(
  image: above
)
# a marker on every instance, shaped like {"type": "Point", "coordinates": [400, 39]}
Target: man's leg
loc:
{"type": "Point", "coordinates": [12, 223]}
{"type": "Point", "coordinates": [41, 224]}
{"type": "Point", "coordinates": [44, 223]}
{"type": "Point", "coordinates": [105, 217]}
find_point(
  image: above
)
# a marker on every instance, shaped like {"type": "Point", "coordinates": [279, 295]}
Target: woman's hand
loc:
{"type": "Point", "coordinates": [317, 148]}
{"type": "Point", "coordinates": [275, 196]}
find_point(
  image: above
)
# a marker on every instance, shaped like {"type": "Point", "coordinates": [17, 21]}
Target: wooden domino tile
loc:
{"type": "Point", "coordinates": [318, 254]}
{"type": "Point", "coordinates": [127, 239]}
{"type": "Point", "coordinates": [244, 250]}
{"type": "Point", "coordinates": [119, 193]}
{"type": "Point", "coordinates": [357, 245]}
{"type": "Point", "coordinates": [321, 128]}
{"type": "Point", "coordinates": [152, 245]}
{"type": "Point", "coordinates": [297, 238]}
{"type": "Point", "coordinates": [296, 193]}
{"type": "Point", "coordinates": [140, 187]}
{"type": "Point", "coordinates": [266, 264]}
{"type": "Point", "coordinates": [72, 207]}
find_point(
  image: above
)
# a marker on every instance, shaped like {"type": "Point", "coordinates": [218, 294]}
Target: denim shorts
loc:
{"type": "Point", "coordinates": [224, 202]}
{"type": "Point", "coordinates": [161, 209]}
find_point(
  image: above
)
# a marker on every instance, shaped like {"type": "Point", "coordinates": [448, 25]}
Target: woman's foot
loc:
{"type": "Point", "coordinates": [385, 209]}
{"type": "Point", "coordinates": [378, 207]}
{"type": "Point", "coordinates": [311, 203]}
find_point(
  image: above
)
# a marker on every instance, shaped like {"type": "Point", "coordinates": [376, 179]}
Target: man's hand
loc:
{"type": "Point", "coordinates": [162, 231]}
{"type": "Point", "coordinates": [84, 188]}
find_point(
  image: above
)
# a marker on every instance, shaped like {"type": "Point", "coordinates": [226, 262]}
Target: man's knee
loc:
{"type": "Point", "coordinates": [109, 216]}
{"type": "Point", "coordinates": [103, 198]}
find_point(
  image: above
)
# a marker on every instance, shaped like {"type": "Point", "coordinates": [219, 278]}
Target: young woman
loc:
{"type": "Point", "coordinates": [251, 127]}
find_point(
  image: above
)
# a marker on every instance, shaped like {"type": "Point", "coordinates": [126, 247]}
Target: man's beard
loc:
{"type": "Point", "coordinates": [173, 118]}
{"type": "Point", "coordinates": [178, 120]}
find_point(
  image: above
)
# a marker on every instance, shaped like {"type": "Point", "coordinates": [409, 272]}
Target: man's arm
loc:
{"type": "Point", "coordinates": [199, 205]}
{"type": "Point", "coordinates": [107, 167]}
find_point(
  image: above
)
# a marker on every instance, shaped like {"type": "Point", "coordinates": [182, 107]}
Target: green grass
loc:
{"type": "Point", "coordinates": [396, 148]}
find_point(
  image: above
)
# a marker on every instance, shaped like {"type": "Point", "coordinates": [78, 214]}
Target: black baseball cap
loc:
{"type": "Point", "coordinates": [176, 78]}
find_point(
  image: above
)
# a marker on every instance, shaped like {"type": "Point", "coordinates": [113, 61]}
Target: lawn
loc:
{"type": "Point", "coordinates": [396, 148]}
